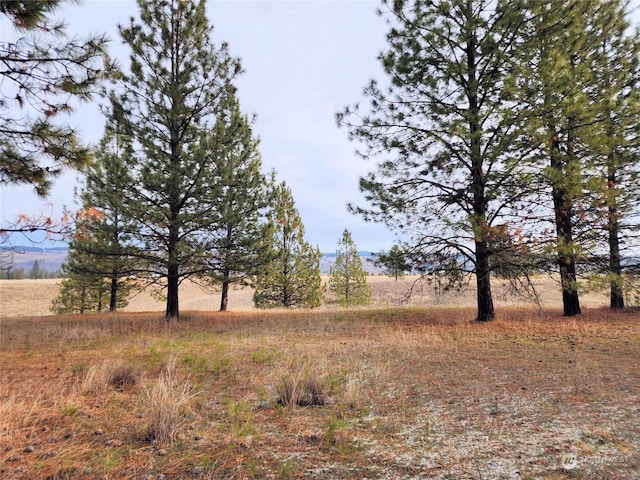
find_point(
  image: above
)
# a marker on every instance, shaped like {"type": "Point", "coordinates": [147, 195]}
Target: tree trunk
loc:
{"type": "Point", "coordinates": [172, 293]}
{"type": "Point", "coordinates": [113, 298]}
{"type": "Point", "coordinates": [486, 311]}
{"type": "Point", "coordinates": [224, 297]}
{"type": "Point", "coordinates": [615, 266]}
{"type": "Point", "coordinates": [83, 296]}
{"type": "Point", "coordinates": [173, 240]}
{"type": "Point", "coordinates": [616, 295]}
{"type": "Point", "coordinates": [173, 275]}
{"type": "Point", "coordinates": [563, 211]}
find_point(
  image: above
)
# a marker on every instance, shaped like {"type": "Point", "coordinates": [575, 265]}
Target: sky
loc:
{"type": "Point", "coordinates": [304, 61]}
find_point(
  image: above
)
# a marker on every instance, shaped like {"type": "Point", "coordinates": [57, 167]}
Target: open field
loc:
{"type": "Point", "coordinates": [33, 297]}
{"type": "Point", "coordinates": [386, 393]}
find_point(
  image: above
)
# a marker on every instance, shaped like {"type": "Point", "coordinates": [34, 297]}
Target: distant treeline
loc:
{"type": "Point", "coordinates": [34, 273]}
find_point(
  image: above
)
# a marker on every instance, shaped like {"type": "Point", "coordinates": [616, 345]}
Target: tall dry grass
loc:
{"type": "Point", "coordinates": [166, 402]}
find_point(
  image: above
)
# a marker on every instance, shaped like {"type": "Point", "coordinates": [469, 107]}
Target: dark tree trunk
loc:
{"type": "Point", "coordinates": [173, 275]}
{"type": "Point", "coordinates": [224, 297]}
{"type": "Point", "coordinates": [486, 311]}
{"type": "Point", "coordinates": [83, 302]}
{"type": "Point", "coordinates": [563, 211]}
{"type": "Point", "coordinates": [172, 293]}
{"type": "Point", "coordinates": [113, 298]}
{"type": "Point", "coordinates": [173, 240]}
{"type": "Point", "coordinates": [615, 266]}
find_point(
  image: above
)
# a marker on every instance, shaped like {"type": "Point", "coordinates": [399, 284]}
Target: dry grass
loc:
{"type": "Point", "coordinates": [407, 393]}
{"type": "Point", "coordinates": [166, 403]}
{"type": "Point", "coordinates": [112, 373]}
{"type": "Point", "coordinates": [302, 389]}
{"type": "Point", "coordinates": [33, 297]}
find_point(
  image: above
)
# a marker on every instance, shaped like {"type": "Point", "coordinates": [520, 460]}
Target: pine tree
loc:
{"type": "Point", "coordinates": [35, 273]}
{"type": "Point", "coordinates": [558, 60]}
{"type": "Point", "coordinates": [292, 278]}
{"type": "Point", "coordinates": [87, 286]}
{"type": "Point", "coordinates": [177, 85]}
{"type": "Point", "coordinates": [110, 232]}
{"type": "Point", "coordinates": [40, 75]}
{"type": "Point", "coordinates": [236, 245]}
{"type": "Point", "coordinates": [395, 262]}
{"type": "Point", "coordinates": [562, 79]}
{"type": "Point", "coordinates": [616, 68]}
{"type": "Point", "coordinates": [442, 131]}
{"type": "Point", "coordinates": [80, 294]}
{"type": "Point", "coordinates": [348, 280]}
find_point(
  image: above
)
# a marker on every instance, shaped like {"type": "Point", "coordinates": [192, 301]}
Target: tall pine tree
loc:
{"type": "Point", "coordinates": [177, 85]}
{"type": "Point", "coordinates": [292, 278]}
{"type": "Point", "coordinates": [108, 239]}
{"type": "Point", "coordinates": [442, 131]}
{"type": "Point", "coordinates": [574, 93]}
{"type": "Point", "coordinates": [236, 244]}
{"type": "Point", "coordinates": [616, 146]}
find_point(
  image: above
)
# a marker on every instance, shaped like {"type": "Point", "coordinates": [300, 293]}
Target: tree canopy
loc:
{"type": "Point", "coordinates": [41, 74]}
{"type": "Point", "coordinates": [292, 277]}
{"type": "Point", "coordinates": [179, 83]}
{"type": "Point", "coordinates": [348, 279]}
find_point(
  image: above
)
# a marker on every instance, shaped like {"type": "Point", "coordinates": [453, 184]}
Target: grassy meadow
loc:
{"type": "Point", "coordinates": [387, 392]}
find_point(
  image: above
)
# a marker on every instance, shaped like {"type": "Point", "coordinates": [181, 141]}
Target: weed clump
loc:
{"type": "Point", "coordinates": [302, 390]}
{"type": "Point", "coordinates": [167, 400]}
{"type": "Point", "coordinates": [109, 374]}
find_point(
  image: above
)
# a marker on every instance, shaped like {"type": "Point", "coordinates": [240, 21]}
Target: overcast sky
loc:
{"type": "Point", "coordinates": [303, 62]}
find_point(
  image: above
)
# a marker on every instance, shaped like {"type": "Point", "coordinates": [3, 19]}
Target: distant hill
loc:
{"type": "Point", "coordinates": [51, 259]}
{"type": "Point", "coordinates": [328, 260]}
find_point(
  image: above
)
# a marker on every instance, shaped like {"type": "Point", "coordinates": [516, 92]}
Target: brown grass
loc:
{"type": "Point", "coordinates": [33, 297]}
{"type": "Point", "coordinates": [407, 393]}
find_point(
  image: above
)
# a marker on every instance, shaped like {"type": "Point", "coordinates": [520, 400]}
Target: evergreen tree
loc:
{"type": "Point", "coordinates": [80, 294]}
{"type": "Point", "coordinates": [109, 233]}
{"type": "Point", "coordinates": [35, 273]}
{"type": "Point", "coordinates": [616, 68]}
{"type": "Point", "coordinates": [40, 75]}
{"type": "Point", "coordinates": [559, 108]}
{"type": "Point", "coordinates": [443, 131]}
{"type": "Point", "coordinates": [348, 280]}
{"type": "Point", "coordinates": [236, 244]}
{"type": "Point", "coordinates": [17, 274]}
{"type": "Point", "coordinates": [177, 85]}
{"type": "Point", "coordinates": [292, 278]}
{"type": "Point", "coordinates": [566, 83]}
{"type": "Point", "coordinates": [394, 263]}
{"type": "Point", "coordinates": [87, 284]}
